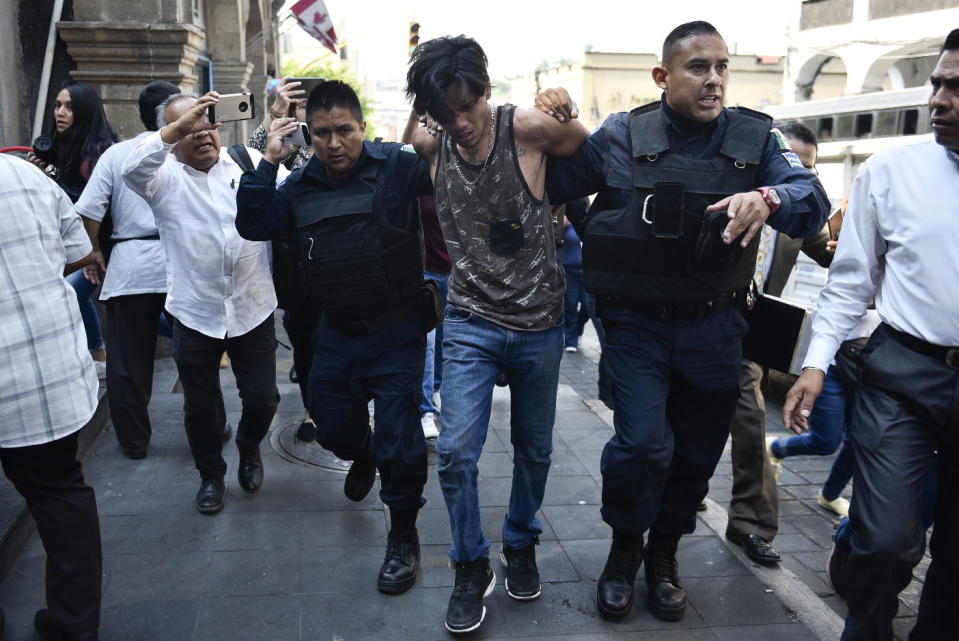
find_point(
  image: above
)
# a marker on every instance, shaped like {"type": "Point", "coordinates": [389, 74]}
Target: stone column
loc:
{"type": "Point", "coordinates": [119, 59]}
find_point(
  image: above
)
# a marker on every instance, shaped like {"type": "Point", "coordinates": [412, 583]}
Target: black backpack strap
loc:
{"type": "Point", "coordinates": [241, 156]}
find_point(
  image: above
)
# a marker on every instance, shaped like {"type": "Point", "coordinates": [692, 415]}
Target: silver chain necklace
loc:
{"type": "Point", "coordinates": [471, 184]}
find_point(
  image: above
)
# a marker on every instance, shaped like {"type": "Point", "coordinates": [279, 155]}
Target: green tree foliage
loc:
{"type": "Point", "coordinates": [333, 69]}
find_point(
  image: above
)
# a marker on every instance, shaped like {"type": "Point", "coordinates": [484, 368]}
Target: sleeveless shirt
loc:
{"type": "Point", "coordinates": [522, 290]}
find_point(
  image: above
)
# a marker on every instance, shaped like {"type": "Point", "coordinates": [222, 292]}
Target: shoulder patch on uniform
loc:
{"type": "Point", "coordinates": [408, 149]}
{"type": "Point", "coordinates": [792, 159]}
{"type": "Point", "coordinates": [780, 140]}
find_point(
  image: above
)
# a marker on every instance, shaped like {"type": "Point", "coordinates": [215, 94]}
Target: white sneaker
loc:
{"type": "Point", "coordinates": [101, 368]}
{"type": "Point", "coordinates": [428, 421]}
{"type": "Point", "coordinates": [571, 349]}
{"type": "Point", "coordinates": [838, 505]}
{"type": "Point", "coordinates": [777, 462]}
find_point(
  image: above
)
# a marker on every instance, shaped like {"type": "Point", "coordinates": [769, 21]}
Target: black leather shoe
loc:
{"type": "Point", "coordinates": [398, 572]}
{"type": "Point", "coordinates": [667, 598]}
{"type": "Point", "coordinates": [48, 630]}
{"type": "Point", "coordinates": [306, 432]}
{"type": "Point", "coordinates": [227, 433]}
{"type": "Point", "coordinates": [757, 548]}
{"type": "Point", "coordinates": [249, 474]}
{"type": "Point", "coordinates": [135, 455]}
{"type": "Point", "coordinates": [209, 499]}
{"type": "Point", "coordinates": [360, 478]}
{"type": "Point", "coordinates": [614, 592]}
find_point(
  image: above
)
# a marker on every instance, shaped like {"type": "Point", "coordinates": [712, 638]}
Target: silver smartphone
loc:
{"type": "Point", "coordinates": [300, 137]}
{"type": "Point", "coordinates": [233, 106]}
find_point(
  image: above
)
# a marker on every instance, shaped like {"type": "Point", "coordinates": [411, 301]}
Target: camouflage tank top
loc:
{"type": "Point", "coordinates": [499, 236]}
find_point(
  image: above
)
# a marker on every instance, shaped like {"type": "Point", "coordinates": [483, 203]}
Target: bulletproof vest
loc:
{"type": "Point", "coordinates": [622, 258]}
{"type": "Point", "coordinates": [354, 259]}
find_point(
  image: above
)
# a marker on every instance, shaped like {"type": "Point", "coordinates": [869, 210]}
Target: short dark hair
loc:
{"type": "Point", "coordinates": [439, 64]}
{"type": "Point", "coordinates": [951, 43]}
{"type": "Point", "coordinates": [151, 96]}
{"type": "Point", "coordinates": [682, 32]}
{"type": "Point", "coordinates": [334, 93]}
{"type": "Point", "coordinates": [798, 131]}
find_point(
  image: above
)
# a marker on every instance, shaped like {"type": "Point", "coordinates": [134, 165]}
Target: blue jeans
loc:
{"type": "Point", "coordinates": [473, 351]}
{"type": "Point", "coordinates": [433, 371]}
{"type": "Point", "coordinates": [575, 295]}
{"type": "Point", "coordinates": [828, 427]}
{"type": "Point", "coordinates": [88, 310]}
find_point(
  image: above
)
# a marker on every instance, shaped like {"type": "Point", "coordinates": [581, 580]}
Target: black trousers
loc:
{"type": "Point", "coordinates": [131, 335]}
{"type": "Point", "coordinates": [65, 510]}
{"type": "Point", "coordinates": [300, 323]}
{"type": "Point", "coordinates": [905, 409]}
{"type": "Point", "coordinates": [253, 359]}
{"type": "Point", "coordinates": [388, 367]}
{"type": "Point", "coordinates": [675, 387]}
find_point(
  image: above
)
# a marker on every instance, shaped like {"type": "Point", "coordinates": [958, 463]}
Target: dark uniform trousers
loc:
{"type": "Point", "coordinates": [388, 367]}
{"type": "Point", "coordinates": [754, 508]}
{"type": "Point", "coordinates": [64, 508]}
{"type": "Point", "coordinates": [131, 334]}
{"type": "Point", "coordinates": [906, 408]}
{"type": "Point", "coordinates": [253, 359]}
{"type": "Point", "coordinates": [675, 390]}
{"type": "Point", "coordinates": [300, 323]}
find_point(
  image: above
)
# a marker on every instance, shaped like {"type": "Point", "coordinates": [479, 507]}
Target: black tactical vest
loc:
{"type": "Point", "coordinates": [622, 258]}
{"type": "Point", "coordinates": [355, 261]}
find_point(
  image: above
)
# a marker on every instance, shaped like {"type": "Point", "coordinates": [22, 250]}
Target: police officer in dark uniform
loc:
{"type": "Point", "coordinates": [669, 250]}
{"type": "Point", "coordinates": [352, 213]}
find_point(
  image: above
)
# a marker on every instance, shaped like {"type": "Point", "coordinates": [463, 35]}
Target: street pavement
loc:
{"type": "Point", "coordinates": [298, 560]}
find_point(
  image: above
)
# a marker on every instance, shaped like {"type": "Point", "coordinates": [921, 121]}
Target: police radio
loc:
{"type": "Point", "coordinates": [669, 200]}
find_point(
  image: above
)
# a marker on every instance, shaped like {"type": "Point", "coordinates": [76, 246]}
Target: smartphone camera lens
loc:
{"type": "Point", "coordinates": [244, 107]}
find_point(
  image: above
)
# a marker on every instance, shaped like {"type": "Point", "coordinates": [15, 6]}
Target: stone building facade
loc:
{"type": "Point", "coordinates": [118, 46]}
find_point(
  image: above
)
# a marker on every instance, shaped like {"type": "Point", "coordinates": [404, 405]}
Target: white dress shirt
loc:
{"type": "Point", "coordinates": [48, 385]}
{"type": "Point", "coordinates": [899, 235]}
{"type": "Point", "coordinates": [219, 283]}
{"type": "Point", "coordinates": [136, 266]}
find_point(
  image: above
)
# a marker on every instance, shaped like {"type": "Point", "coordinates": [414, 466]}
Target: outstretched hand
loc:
{"type": "Point", "coordinates": [557, 103]}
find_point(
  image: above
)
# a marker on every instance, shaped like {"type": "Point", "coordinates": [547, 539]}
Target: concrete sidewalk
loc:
{"type": "Point", "coordinates": [298, 560]}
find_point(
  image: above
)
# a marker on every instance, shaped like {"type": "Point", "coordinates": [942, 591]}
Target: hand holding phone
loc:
{"type": "Point", "coordinates": [233, 106]}
{"type": "Point", "coordinates": [300, 137]}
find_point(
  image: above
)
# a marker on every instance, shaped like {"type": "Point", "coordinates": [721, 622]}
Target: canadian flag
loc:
{"type": "Point", "coordinates": [315, 20]}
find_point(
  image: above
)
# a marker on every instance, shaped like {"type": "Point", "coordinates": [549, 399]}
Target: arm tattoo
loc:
{"type": "Point", "coordinates": [521, 151]}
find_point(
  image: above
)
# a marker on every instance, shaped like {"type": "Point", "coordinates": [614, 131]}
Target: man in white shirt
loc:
{"type": "Point", "coordinates": [900, 235]}
{"type": "Point", "coordinates": [48, 391]}
{"type": "Point", "coordinates": [220, 287]}
{"type": "Point", "coordinates": [134, 288]}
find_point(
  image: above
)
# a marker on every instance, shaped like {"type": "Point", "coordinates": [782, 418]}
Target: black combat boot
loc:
{"type": "Point", "coordinates": [667, 598]}
{"type": "Point", "coordinates": [614, 592]}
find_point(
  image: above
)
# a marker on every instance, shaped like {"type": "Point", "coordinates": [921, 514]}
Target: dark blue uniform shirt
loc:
{"type": "Point", "coordinates": [265, 212]}
{"type": "Point", "coordinates": [603, 165]}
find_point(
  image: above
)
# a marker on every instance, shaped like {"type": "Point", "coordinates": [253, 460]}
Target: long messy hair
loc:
{"type": "Point", "coordinates": [442, 63]}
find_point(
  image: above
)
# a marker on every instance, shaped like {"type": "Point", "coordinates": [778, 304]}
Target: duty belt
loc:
{"type": "Point", "coordinates": [946, 354]}
{"type": "Point", "coordinates": [667, 311]}
{"type": "Point", "coordinates": [372, 324]}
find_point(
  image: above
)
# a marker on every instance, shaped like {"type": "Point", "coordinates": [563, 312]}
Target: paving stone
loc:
{"type": "Point", "coordinates": [255, 572]}
{"type": "Point", "coordinates": [780, 632]}
{"type": "Point", "coordinates": [572, 490]}
{"type": "Point", "coordinates": [249, 618]}
{"type": "Point", "coordinates": [577, 522]}
{"type": "Point", "coordinates": [724, 601]}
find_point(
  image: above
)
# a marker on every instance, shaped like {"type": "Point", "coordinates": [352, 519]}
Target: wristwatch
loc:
{"type": "Point", "coordinates": [771, 196]}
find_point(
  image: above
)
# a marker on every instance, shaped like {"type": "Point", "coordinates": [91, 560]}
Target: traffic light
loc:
{"type": "Point", "coordinates": [414, 37]}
